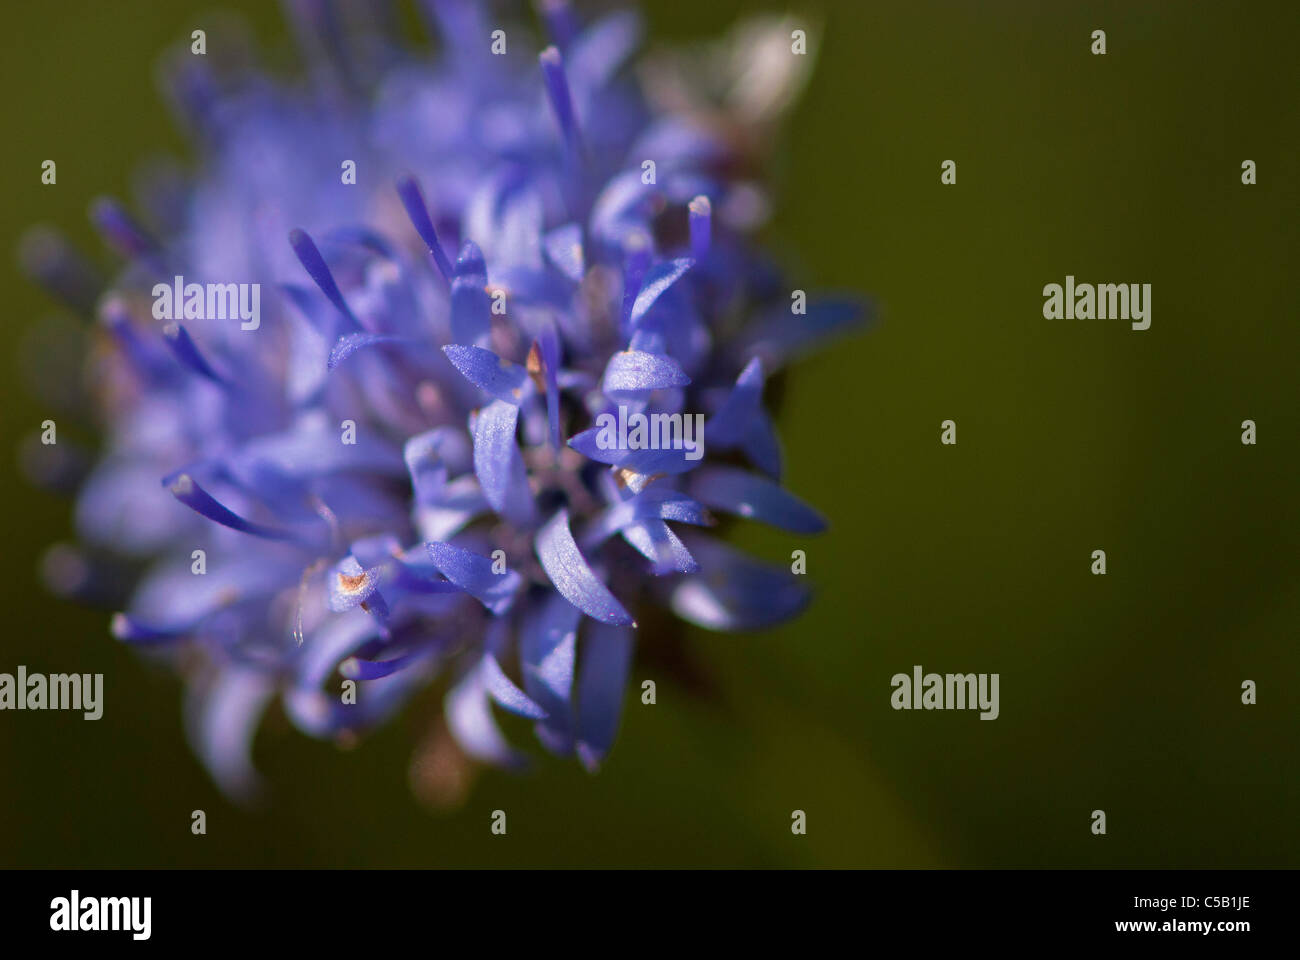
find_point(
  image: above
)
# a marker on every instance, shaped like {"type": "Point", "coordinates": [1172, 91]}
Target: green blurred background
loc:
{"type": "Point", "coordinates": [1119, 692]}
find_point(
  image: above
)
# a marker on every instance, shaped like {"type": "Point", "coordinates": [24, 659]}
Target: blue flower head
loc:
{"type": "Point", "coordinates": [438, 374]}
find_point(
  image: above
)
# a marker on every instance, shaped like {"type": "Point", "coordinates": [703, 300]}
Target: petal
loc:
{"type": "Point", "coordinates": [504, 692]}
{"type": "Point", "coordinates": [571, 575]}
{"type": "Point", "coordinates": [473, 574]}
{"type": "Point", "coordinates": [459, 503]}
{"type": "Point", "coordinates": [653, 503]}
{"type": "Point", "coordinates": [735, 592]}
{"type": "Point", "coordinates": [471, 309]}
{"type": "Point", "coordinates": [727, 427]}
{"type": "Point", "coordinates": [564, 249]}
{"type": "Point", "coordinates": [495, 375]}
{"type": "Point", "coordinates": [780, 337]}
{"type": "Point", "coordinates": [547, 645]}
{"type": "Point", "coordinates": [642, 460]}
{"type": "Point", "coordinates": [350, 343]}
{"type": "Point", "coordinates": [750, 495]}
{"type": "Point", "coordinates": [469, 717]}
{"type": "Point", "coordinates": [499, 465]}
{"type": "Point", "coordinates": [606, 657]}
{"type": "Point", "coordinates": [655, 541]}
{"type": "Point", "coordinates": [222, 720]}
{"type": "Point", "coordinates": [659, 278]}
{"type": "Point", "coordinates": [635, 370]}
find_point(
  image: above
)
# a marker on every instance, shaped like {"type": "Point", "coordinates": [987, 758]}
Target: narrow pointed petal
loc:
{"type": "Point", "coordinates": [468, 711]}
{"type": "Point", "coordinates": [471, 307]}
{"type": "Point", "coordinates": [572, 576]}
{"type": "Point", "coordinates": [749, 495]}
{"type": "Point", "coordinates": [653, 503]}
{"type": "Point", "coordinates": [506, 694]}
{"type": "Point", "coordinates": [563, 247]}
{"type": "Point", "coordinates": [655, 541]}
{"type": "Point", "coordinates": [602, 677]}
{"type": "Point", "coordinates": [659, 278]}
{"type": "Point", "coordinates": [473, 574]}
{"type": "Point", "coordinates": [727, 427]}
{"type": "Point", "coordinates": [350, 343]}
{"type": "Point", "coordinates": [736, 592]}
{"type": "Point", "coordinates": [499, 465]}
{"type": "Point", "coordinates": [547, 646]}
{"type": "Point", "coordinates": [222, 720]}
{"type": "Point", "coordinates": [495, 375]}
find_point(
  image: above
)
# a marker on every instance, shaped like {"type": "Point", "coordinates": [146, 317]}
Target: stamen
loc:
{"type": "Point", "coordinates": [408, 188]}
{"type": "Point", "coordinates": [127, 628]}
{"type": "Point", "coordinates": [187, 352]}
{"type": "Point", "coordinates": [701, 216]}
{"type": "Point", "coordinates": [47, 255]}
{"type": "Point", "coordinates": [185, 489]}
{"type": "Point", "coordinates": [148, 362]}
{"type": "Point", "coordinates": [557, 90]}
{"type": "Point", "coordinates": [121, 232]}
{"type": "Point", "coordinates": [561, 21]}
{"type": "Point", "coordinates": [309, 256]}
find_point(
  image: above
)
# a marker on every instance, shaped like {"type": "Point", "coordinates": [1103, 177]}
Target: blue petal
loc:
{"type": "Point", "coordinates": [762, 447]}
{"type": "Point", "coordinates": [571, 575]}
{"type": "Point", "coordinates": [635, 370]}
{"type": "Point", "coordinates": [546, 651]}
{"type": "Point", "coordinates": [728, 426]}
{"type": "Point", "coordinates": [483, 368]}
{"type": "Point", "coordinates": [499, 465]}
{"type": "Point", "coordinates": [564, 248]}
{"type": "Point", "coordinates": [599, 51]}
{"type": "Point", "coordinates": [606, 657]}
{"type": "Point", "coordinates": [750, 495]}
{"type": "Point", "coordinates": [659, 278]}
{"type": "Point", "coordinates": [459, 503]}
{"type": "Point", "coordinates": [780, 336]}
{"type": "Point", "coordinates": [505, 693]}
{"type": "Point", "coordinates": [471, 308]}
{"type": "Point", "coordinates": [643, 460]}
{"type": "Point", "coordinates": [736, 592]}
{"type": "Point", "coordinates": [473, 574]}
{"type": "Point", "coordinates": [350, 343]}
{"type": "Point", "coordinates": [222, 720]}
{"type": "Point", "coordinates": [655, 541]}
{"type": "Point", "coordinates": [654, 503]}
{"type": "Point", "coordinates": [469, 717]}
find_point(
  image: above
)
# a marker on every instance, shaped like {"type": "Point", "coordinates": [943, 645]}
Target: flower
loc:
{"type": "Point", "coordinates": [372, 453]}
